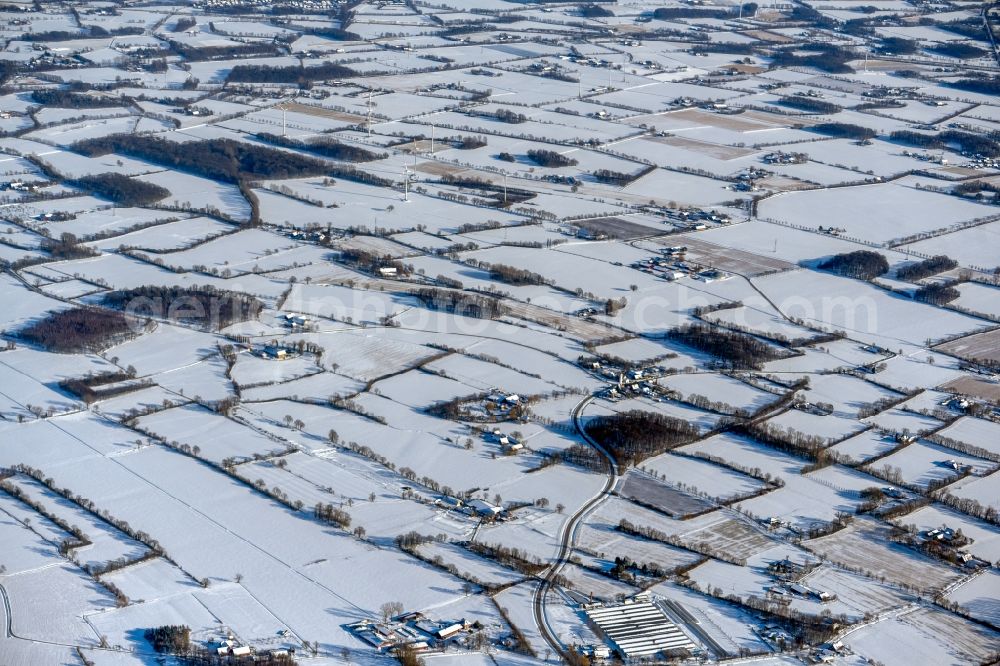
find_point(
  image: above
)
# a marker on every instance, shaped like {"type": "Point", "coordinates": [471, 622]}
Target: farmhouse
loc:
{"type": "Point", "coordinates": [296, 321]}
{"type": "Point", "coordinates": [275, 352]}
{"type": "Point", "coordinates": [450, 630]}
{"type": "Point", "coordinates": [484, 508]}
{"type": "Point", "coordinates": [232, 648]}
{"type": "Point", "coordinates": [387, 636]}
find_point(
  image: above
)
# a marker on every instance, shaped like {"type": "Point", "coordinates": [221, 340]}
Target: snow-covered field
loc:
{"type": "Point", "coordinates": [526, 292]}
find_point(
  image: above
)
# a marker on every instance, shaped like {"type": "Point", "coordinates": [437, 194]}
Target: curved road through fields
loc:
{"type": "Point", "coordinates": [567, 537]}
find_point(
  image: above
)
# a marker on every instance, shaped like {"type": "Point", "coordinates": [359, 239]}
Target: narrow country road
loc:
{"type": "Point", "coordinates": [567, 539]}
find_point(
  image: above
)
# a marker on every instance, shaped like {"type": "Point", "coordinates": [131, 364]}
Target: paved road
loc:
{"type": "Point", "coordinates": [8, 621]}
{"type": "Point", "coordinates": [567, 539]}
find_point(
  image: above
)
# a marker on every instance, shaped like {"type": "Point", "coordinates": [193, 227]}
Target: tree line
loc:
{"type": "Point", "coordinates": [297, 74]}
{"type": "Point", "coordinates": [514, 558]}
{"type": "Point", "coordinates": [193, 53]}
{"type": "Point", "coordinates": [325, 146]}
{"type": "Point", "coordinates": [67, 246]}
{"type": "Point", "coordinates": [861, 264]}
{"type": "Point", "coordinates": [966, 141]}
{"type": "Point", "coordinates": [809, 104]}
{"type": "Point", "coordinates": [671, 13]}
{"type": "Point", "coordinates": [632, 436]}
{"type": "Point", "coordinates": [121, 189]}
{"type": "Point", "coordinates": [827, 57]}
{"type": "Point", "coordinates": [738, 351]}
{"type": "Point", "coordinates": [73, 100]}
{"type": "Point", "coordinates": [550, 158]}
{"type": "Point", "coordinates": [844, 131]}
{"type": "Point", "coordinates": [514, 275]}
{"type": "Point", "coordinates": [936, 294]}
{"type": "Point", "coordinates": [926, 268]}
{"type": "Point", "coordinates": [370, 262]}
{"type": "Point", "coordinates": [327, 513]}
{"type": "Point", "coordinates": [80, 329]}
{"type": "Point", "coordinates": [958, 50]}
{"type": "Point", "coordinates": [89, 388]}
{"type": "Point", "coordinates": [201, 305]}
{"type": "Point", "coordinates": [508, 116]}
{"type": "Point", "coordinates": [461, 303]}
{"type": "Point", "coordinates": [986, 85]}
{"type": "Point", "coordinates": [219, 159]}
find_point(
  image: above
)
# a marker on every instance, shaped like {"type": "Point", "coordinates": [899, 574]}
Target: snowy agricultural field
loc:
{"type": "Point", "coordinates": [113, 222]}
{"type": "Point", "coordinates": [982, 489]}
{"type": "Point", "coordinates": [37, 612]}
{"type": "Point", "coordinates": [367, 357]}
{"type": "Point", "coordinates": [702, 418]}
{"type": "Point", "coordinates": [604, 539]}
{"type": "Point", "coordinates": [256, 371]}
{"type": "Point", "coordinates": [760, 319]}
{"type": "Point", "coordinates": [749, 454]}
{"type": "Point", "coordinates": [470, 565]}
{"type": "Point", "coordinates": [975, 432]}
{"type": "Point", "coordinates": [978, 597]}
{"type": "Point", "coordinates": [866, 444]}
{"type": "Point", "coordinates": [702, 476]}
{"type": "Point", "coordinates": [865, 546]}
{"type": "Point", "coordinates": [223, 438]}
{"type": "Point", "coordinates": [899, 420]}
{"type": "Point", "coordinates": [726, 624]}
{"type": "Point", "coordinates": [167, 235]}
{"type": "Point", "coordinates": [856, 595]}
{"type": "Point", "coordinates": [194, 193]}
{"type": "Point", "coordinates": [723, 389]}
{"type": "Point", "coordinates": [243, 252]}
{"type": "Point", "coordinates": [778, 241]}
{"type": "Point", "coordinates": [865, 311]}
{"type": "Point", "coordinates": [970, 247]}
{"type": "Point", "coordinates": [683, 189]}
{"type": "Point", "coordinates": [830, 427]}
{"type": "Point", "coordinates": [355, 204]}
{"type": "Point", "coordinates": [979, 298]}
{"type": "Point", "coordinates": [54, 116]}
{"type": "Point", "coordinates": [341, 455]}
{"type": "Point", "coordinates": [106, 542]}
{"type": "Point", "coordinates": [922, 635]}
{"type": "Point", "coordinates": [874, 213]}
{"type": "Point", "coordinates": [813, 499]}
{"type": "Point", "coordinates": [922, 462]}
{"type": "Point", "coordinates": [984, 541]}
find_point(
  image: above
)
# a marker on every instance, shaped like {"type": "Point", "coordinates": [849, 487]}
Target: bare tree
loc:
{"type": "Point", "coordinates": [390, 609]}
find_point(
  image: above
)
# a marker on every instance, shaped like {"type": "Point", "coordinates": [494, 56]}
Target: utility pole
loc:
{"type": "Point", "coordinates": [369, 112]}
{"type": "Point", "coordinates": [406, 183]}
{"type": "Point", "coordinates": [505, 189]}
{"type": "Point", "coordinates": [283, 123]}
{"type": "Point", "coordinates": [432, 138]}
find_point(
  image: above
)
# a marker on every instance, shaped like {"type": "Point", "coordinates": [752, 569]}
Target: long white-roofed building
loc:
{"type": "Point", "coordinates": [639, 629]}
